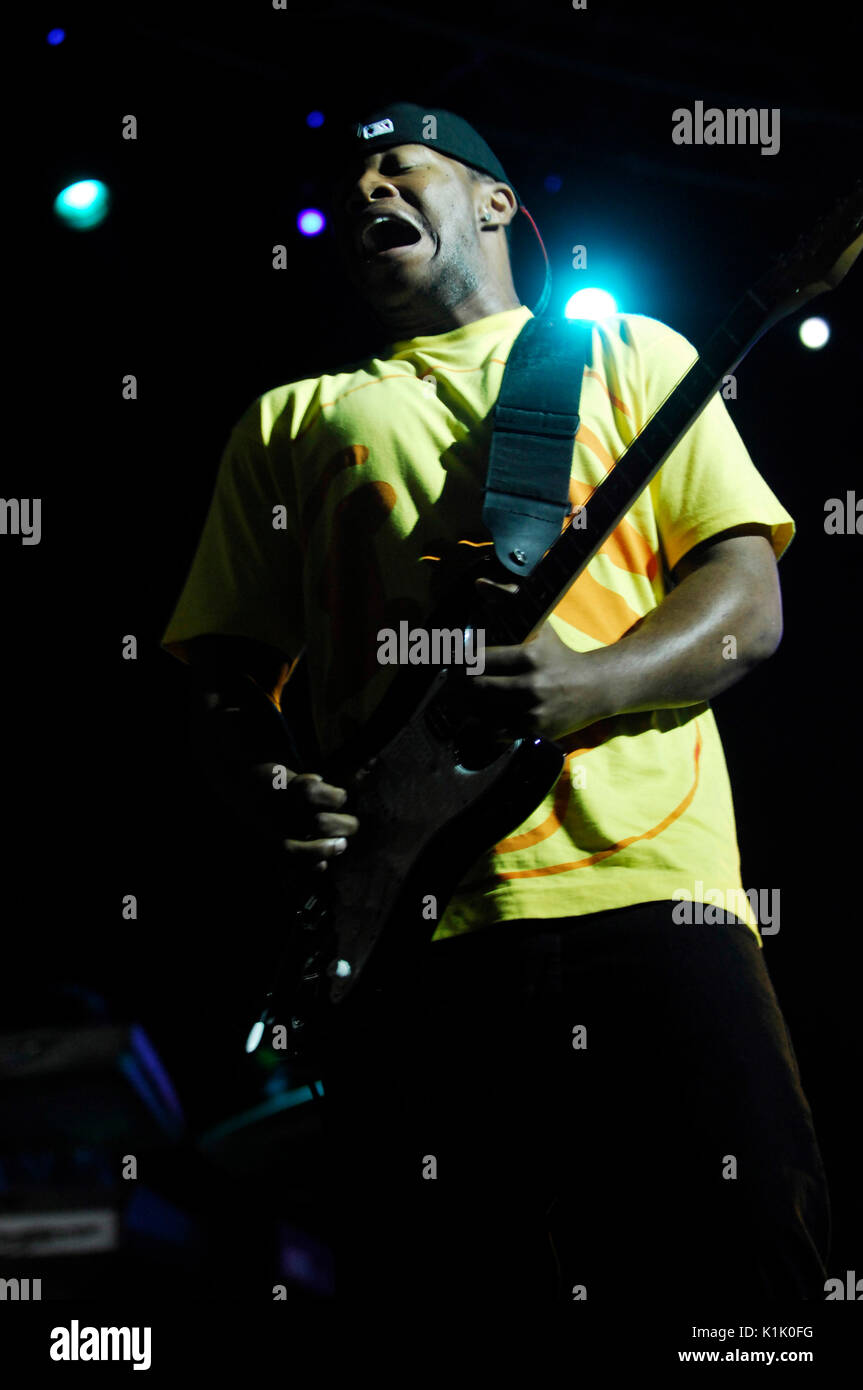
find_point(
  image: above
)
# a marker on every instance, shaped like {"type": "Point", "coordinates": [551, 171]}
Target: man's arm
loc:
{"type": "Point", "coordinates": [677, 655]}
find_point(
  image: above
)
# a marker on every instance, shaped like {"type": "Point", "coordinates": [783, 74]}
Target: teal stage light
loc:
{"type": "Point", "coordinates": [83, 205]}
{"type": "Point", "coordinates": [590, 304]}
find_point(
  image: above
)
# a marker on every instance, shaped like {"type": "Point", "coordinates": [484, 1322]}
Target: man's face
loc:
{"type": "Point", "coordinates": [407, 226]}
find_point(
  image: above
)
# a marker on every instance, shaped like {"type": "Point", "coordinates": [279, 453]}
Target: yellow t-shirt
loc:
{"type": "Point", "coordinates": [332, 494]}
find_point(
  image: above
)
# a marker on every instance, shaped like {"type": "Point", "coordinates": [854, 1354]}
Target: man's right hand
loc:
{"type": "Point", "coordinates": [236, 727]}
{"type": "Point", "coordinates": [305, 815]}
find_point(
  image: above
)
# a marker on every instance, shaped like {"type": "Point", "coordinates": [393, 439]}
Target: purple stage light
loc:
{"type": "Point", "coordinates": [310, 222]}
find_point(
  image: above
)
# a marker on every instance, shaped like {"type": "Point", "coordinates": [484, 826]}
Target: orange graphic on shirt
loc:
{"type": "Point", "coordinates": [602, 854]}
{"type": "Point", "coordinates": [595, 610]}
{"type": "Point", "coordinates": [625, 547]}
{"type": "Point", "coordinates": [584, 740]}
{"type": "Point", "coordinates": [346, 458]}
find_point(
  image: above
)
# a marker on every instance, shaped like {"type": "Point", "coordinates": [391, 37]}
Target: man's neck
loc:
{"type": "Point", "coordinates": [415, 320]}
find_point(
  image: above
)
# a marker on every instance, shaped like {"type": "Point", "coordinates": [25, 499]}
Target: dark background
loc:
{"type": "Point", "coordinates": [177, 287]}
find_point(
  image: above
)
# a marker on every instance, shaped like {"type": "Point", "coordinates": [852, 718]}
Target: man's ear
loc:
{"type": "Point", "coordinates": [504, 203]}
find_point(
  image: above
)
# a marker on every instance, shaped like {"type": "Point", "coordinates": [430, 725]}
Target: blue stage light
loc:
{"type": "Point", "coordinates": [55, 36]}
{"type": "Point", "coordinates": [310, 222]}
{"type": "Point", "coordinates": [315, 119]}
{"type": "Point", "coordinates": [553, 183]}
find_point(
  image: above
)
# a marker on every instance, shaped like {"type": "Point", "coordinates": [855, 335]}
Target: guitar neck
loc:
{"type": "Point", "coordinates": [540, 592]}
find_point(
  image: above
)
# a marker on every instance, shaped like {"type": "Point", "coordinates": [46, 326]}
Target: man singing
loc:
{"type": "Point", "coordinates": [586, 1089]}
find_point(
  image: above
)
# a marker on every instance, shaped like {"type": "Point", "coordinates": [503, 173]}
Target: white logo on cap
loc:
{"type": "Point", "coordinates": [368, 132]}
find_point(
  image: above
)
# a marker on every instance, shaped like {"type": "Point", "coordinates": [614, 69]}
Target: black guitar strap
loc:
{"type": "Point", "coordinates": [534, 425]}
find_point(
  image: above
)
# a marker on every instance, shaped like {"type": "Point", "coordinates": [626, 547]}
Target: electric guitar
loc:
{"type": "Point", "coordinates": [431, 790]}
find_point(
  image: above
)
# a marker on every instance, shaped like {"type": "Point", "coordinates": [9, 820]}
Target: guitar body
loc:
{"type": "Point", "coordinates": [431, 793]}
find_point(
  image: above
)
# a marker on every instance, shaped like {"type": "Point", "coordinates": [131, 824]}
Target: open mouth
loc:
{"type": "Point", "coordinates": [387, 233]}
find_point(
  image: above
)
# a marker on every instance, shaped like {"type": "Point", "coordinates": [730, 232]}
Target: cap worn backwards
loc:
{"type": "Point", "coordinates": [405, 123]}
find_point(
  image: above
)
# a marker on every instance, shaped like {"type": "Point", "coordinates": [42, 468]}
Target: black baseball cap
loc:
{"type": "Point", "coordinates": [406, 123]}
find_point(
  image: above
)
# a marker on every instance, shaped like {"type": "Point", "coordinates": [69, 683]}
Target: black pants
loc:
{"type": "Point", "coordinates": [582, 1107]}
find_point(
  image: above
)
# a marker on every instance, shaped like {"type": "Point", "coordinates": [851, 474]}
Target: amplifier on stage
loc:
{"type": "Point", "coordinates": [94, 1084]}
